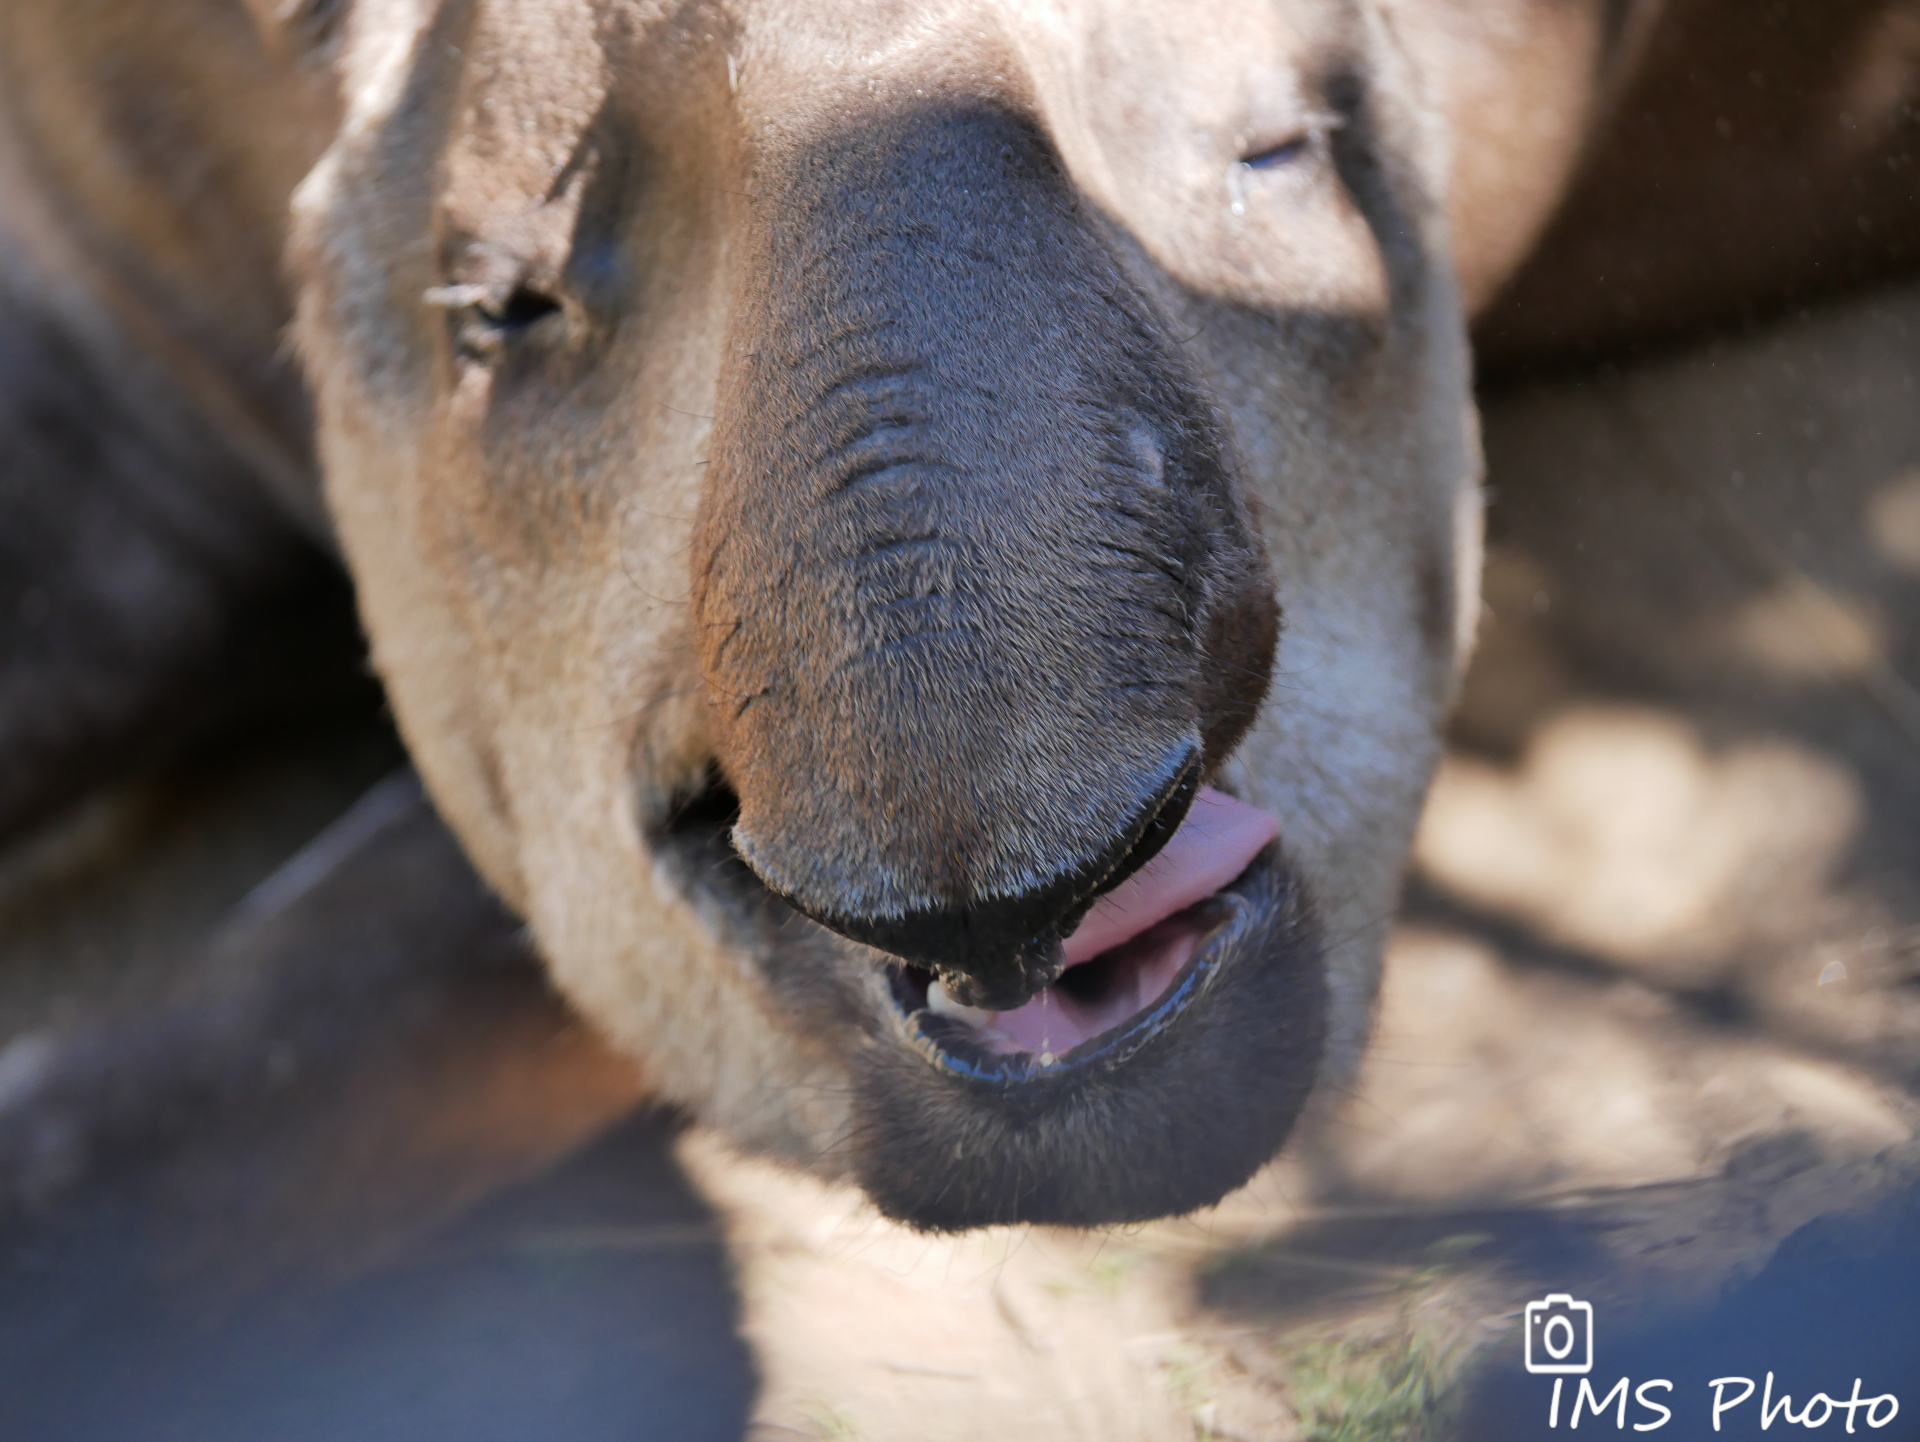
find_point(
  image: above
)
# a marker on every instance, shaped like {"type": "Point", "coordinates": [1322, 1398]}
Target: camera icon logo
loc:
{"type": "Point", "coordinates": [1559, 1335]}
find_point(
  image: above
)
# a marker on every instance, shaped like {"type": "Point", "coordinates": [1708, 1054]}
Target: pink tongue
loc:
{"type": "Point", "coordinates": [1213, 845]}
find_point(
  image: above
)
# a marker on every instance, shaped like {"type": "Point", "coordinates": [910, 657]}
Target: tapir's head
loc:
{"type": "Point", "coordinates": [923, 544]}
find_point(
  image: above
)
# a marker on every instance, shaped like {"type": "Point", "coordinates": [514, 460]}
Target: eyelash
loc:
{"type": "Point", "coordinates": [1314, 129]}
{"type": "Point", "coordinates": [1286, 152]}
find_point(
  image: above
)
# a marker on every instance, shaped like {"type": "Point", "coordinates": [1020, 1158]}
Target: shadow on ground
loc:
{"type": "Point", "coordinates": [320, 1156]}
{"type": "Point", "coordinates": [1834, 1313]}
{"type": "Point", "coordinates": [591, 1302]}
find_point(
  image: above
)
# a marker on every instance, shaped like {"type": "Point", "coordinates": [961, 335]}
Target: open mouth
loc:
{"type": "Point", "coordinates": [1130, 965]}
{"type": "Point", "coordinates": [1098, 1100]}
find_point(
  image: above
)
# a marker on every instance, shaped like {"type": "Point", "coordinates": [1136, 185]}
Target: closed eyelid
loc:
{"type": "Point", "coordinates": [1307, 131]}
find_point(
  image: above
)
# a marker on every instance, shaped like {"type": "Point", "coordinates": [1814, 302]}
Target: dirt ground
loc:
{"type": "Point", "coordinates": [1650, 1036]}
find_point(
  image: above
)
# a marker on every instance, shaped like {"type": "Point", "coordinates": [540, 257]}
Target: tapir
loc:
{"type": "Point", "coordinates": [924, 546]}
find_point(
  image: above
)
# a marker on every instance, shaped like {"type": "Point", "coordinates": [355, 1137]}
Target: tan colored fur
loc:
{"type": "Point", "coordinates": [529, 621]}
{"type": "Point", "coordinates": [521, 559]}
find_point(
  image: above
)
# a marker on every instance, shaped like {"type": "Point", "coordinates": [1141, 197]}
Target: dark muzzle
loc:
{"type": "Point", "coordinates": [977, 602]}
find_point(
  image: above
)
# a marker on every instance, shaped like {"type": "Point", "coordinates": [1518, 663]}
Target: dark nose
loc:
{"type": "Point", "coordinates": [996, 952]}
{"type": "Point", "coordinates": [975, 596]}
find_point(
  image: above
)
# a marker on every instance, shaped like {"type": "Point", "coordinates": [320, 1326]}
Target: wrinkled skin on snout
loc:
{"type": "Point", "coordinates": [828, 488]}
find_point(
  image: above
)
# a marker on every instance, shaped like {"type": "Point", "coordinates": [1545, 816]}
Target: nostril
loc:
{"type": "Point", "coordinates": [691, 836]}
{"type": "Point", "coordinates": [700, 818]}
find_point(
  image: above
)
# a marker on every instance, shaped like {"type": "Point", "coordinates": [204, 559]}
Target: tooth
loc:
{"type": "Point", "coordinates": [940, 1004]}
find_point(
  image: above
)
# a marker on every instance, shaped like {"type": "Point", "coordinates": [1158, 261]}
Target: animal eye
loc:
{"type": "Point", "coordinates": [491, 316]}
{"type": "Point", "coordinates": [1286, 152]}
{"type": "Point", "coordinates": [521, 308]}
{"type": "Point", "coordinates": [1312, 130]}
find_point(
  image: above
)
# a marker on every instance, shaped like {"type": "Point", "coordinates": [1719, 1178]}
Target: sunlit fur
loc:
{"type": "Point", "coordinates": [521, 548]}
{"type": "Point", "coordinates": [519, 513]}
